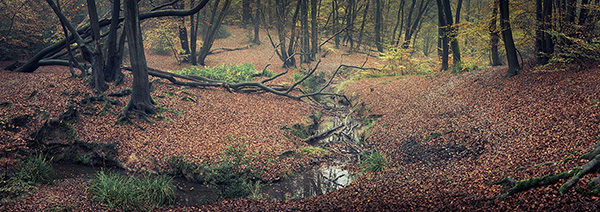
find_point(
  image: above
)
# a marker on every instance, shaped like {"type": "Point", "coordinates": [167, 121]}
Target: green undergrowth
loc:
{"type": "Point", "coordinates": [373, 161]}
{"type": "Point", "coordinates": [232, 177]}
{"type": "Point", "coordinates": [311, 150]}
{"type": "Point", "coordinates": [31, 171]}
{"type": "Point", "coordinates": [229, 73]}
{"type": "Point", "coordinates": [131, 193]}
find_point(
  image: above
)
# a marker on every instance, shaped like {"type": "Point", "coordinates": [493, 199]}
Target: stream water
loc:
{"type": "Point", "coordinates": [320, 179]}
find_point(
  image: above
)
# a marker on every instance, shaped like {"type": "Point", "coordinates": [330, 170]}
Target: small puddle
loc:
{"type": "Point", "coordinates": [310, 183]}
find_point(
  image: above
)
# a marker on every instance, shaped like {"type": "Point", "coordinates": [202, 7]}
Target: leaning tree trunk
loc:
{"type": "Point", "coordinates": [140, 101]}
{"type": "Point", "coordinates": [209, 37]}
{"type": "Point", "coordinates": [509, 44]}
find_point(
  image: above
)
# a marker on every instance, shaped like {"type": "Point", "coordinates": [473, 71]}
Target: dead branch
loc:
{"type": "Point", "coordinates": [221, 50]}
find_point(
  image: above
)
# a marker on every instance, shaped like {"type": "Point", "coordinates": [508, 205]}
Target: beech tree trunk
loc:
{"type": "Point", "coordinates": [509, 44]}
{"type": "Point", "coordinates": [378, 23]}
{"type": "Point", "coordinates": [313, 30]}
{"type": "Point", "coordinates": [494, 35]}
{"type": "Point", "coordinates": [256, 21]}
{"type": "Point", "coordinates": [112, 71]}
{"type": "Point", "coordinates": [443, 36]}
{"type": "Point", "coordinates": [98, 65]}
{"type": "Point", "coordinates": [140, 101]}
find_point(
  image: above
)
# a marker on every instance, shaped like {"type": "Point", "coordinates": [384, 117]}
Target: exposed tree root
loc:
{"type": "Point", "coordinates": [513, 186]}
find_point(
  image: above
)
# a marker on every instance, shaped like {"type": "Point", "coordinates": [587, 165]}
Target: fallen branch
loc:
{"type": "Point", "coordinates": [221, 50]}
{"type": "Point", "coordinates": [513, 186]}
{"type": "Point", "coordinates": [311, 140]}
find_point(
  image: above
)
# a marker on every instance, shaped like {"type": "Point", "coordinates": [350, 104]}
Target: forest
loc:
{"type": "Point", "coordinates": [299, 105]}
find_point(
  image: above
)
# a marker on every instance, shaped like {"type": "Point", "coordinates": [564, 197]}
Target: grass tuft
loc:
{"type": "Point", "coordinates": [374, 162]}
{"type": "Point", "coordinates": [130, 193]}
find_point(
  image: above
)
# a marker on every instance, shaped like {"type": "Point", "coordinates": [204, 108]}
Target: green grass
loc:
{"type": "Point", "coordinates": [36, 169]}
{"type": "Point", "coordinates": [311, 150]}
{"type": "Point", "coordinates": [130, 193]}
{"type": "Point", "coordinates": [228, 73]}
{"type": "Point", "coordinates": [33, 170]}
{"type": "Point", "coordinates": [374, 162]}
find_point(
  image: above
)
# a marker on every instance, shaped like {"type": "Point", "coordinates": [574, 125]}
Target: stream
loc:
{"type": "Point", "coordinates": [343, 132]}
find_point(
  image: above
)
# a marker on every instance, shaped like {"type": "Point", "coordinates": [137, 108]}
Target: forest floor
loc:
{"type": "Point", "coordinates": [447, 136]}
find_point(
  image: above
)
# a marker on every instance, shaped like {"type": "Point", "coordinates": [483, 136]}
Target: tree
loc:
{"type": "Point", "coordinates": [140, 101]}
{"type": "Point", "coordinates": [509, 44]}
{"type": "Point", "coordinates": [378, 23]}
{"type": "Point", "coordinates": [543, 41]}
{"type": "Point", "coordinates": [46, 55]}
{"type": "Point", "coordinates": [442, 36]}
{"type": "Point", "coordinates": [494, 35]}
{"type": "Point", "coordinates": [114, 54]}
{"type": "Point", "coordinates": [256, 22]}
{"type": "Point", "coordinates": [215, 22]}
{"type": "Point", "coordinates": [98, 62]}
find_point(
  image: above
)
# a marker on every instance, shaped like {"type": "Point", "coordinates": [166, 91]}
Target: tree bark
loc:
{"type": "Point", "coordinates": [98, 65]}
{"type": "Point", "coordinates": [362, 25]}
{"type": "Point", "coordinates": [509, 44]}
{"type": "Point", "coordinates": [313, 30]}
{"type": "Point", "coordinates": [140, 101]}
{"type": "Point", "coordinates": [256, 20]}
{"type": "Point", "coordinates": [113, 68]}
{"type": "Point", "coordinates": [495, 36]}
{"type": "Point", "coordinates": [443, 36]}
{"type": "Point", "coordinates": [378, 23]}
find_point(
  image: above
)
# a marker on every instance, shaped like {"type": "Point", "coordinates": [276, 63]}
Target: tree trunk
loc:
{"type": "Point", "coordinates": [362, 25]}
{"type": "Point", "coordinates": [193, 37]}
{"type": "Point", "coordinates": [543, 43]}
{"type": "Point", "coordinates": [378, 23]}
{"type": "Point", "coordinates": [452, 33]}
{"type": "Point", "coordinates": [113, 65]}
{"type": "Point", "coordinates": [495, 36]}
{"type": "Point", "coordinates": [413, 25]}
{"type": "Point", "coordinates": [305, 36]}
{"type": "Point", "coordinates": [98, 65]}
{"type": "Point", "coordinates": [313, 29]}
{"type": "Point", "coordinates": [443, 35]}
{"type": "Point", "coordinates": [334, 6]}
{"type": "Point", "coordinates": [140, 100]}
{"type": "Point", "coordinates": [256, 20]}
{"type": "Point", "coordinates": [509, 44]}
{"type": "Point", "coordinates": [399, 17]}
{"type": "Point", "coordinates": [246, 16]}
{"type": "Point", "coordinates": [209, 37]}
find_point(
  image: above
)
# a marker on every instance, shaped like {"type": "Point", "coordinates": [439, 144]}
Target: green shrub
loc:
{"type": "Point", "coordinates": [374, 162]}
{"type": "Point", "coordinates": [228, 73]}
{"type": "Point", "coordinates": [36, 169]}
{"type": "Point", "coordinates": [130, 193]}
{"type": "Point", "coordinates": [233, 177]}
